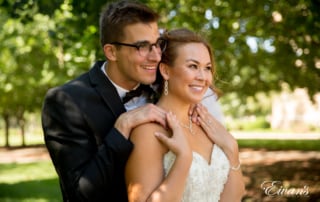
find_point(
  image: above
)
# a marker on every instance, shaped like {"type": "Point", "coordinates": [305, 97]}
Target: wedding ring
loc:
{"type": "Point", "coordinates": [209, 121]}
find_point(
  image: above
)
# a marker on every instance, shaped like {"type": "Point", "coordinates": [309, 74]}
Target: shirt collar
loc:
{"type": "Point", "coordinates": [121, 91]}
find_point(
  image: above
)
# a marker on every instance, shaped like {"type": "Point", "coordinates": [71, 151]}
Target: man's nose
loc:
{"type": "Point", "coordinates": [154, 54]}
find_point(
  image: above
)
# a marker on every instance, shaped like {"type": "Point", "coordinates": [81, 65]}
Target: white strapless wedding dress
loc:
{"type": "Point", "coordinates": [206, 181]}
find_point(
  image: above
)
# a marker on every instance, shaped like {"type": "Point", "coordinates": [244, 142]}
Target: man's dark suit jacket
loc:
{"type": "Point", "coordinates": [88, 153]}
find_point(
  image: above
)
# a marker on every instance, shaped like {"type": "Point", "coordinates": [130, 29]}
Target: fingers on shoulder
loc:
{"type": "Point", "coordinates": [172, 120]}
{"type": "Point", "coordinates": [144, 135]}
{"type": "Point", "coordinates": [146, 144]}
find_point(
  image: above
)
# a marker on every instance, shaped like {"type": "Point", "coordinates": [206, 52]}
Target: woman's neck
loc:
{"type": "Point", "coordinates": [176, 106]}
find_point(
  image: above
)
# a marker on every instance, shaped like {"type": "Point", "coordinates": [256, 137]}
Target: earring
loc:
{"type": "Point", "coordinates": [166, 87]}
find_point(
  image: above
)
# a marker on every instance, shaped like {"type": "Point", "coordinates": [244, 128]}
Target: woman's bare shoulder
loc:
{"type": "Point", "coordinates": [147, 128]}
{"type": "Point", "coordinates": [144, 135]}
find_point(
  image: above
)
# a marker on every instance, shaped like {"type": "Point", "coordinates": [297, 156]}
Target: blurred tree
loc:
{"type": "Point", "coordinates": [38, 52]}
{"type": "Point", "coordinates": [259, 45]}
{"type": "Point", "coordinates": [25, 53]}
{"type": "Point", "coordinates": [256, 48]}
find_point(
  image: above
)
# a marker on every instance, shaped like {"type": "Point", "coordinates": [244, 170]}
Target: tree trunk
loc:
{"type": "Point", "coordinates": [21, 122]}
{"type": "Point", "coordinates": [6, 118]}
{"type": "Point", "coordinates": [22, 130]}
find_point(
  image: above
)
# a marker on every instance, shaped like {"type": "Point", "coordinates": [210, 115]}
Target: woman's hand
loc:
{"type": "Point", "coordinates": [218, 134]}
{"type": "Point", "coordinates": [178, 142]}
{"type": "Point", "coordinates": [193, 113]}
{"type": "Point", "coordinates": [234, 188]}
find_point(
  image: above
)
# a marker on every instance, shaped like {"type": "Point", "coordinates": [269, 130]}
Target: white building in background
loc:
{"type": "Point", "coordinates": [295, 111]}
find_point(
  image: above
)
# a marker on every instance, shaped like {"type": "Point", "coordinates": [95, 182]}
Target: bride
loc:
{"type": "Point", "coordinates": [200, 161]}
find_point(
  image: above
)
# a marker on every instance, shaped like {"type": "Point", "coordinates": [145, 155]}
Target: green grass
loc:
{"type": "Point", "coordinates": [29, 182]}
{"type": "Point", "coordinates": [269, 144]}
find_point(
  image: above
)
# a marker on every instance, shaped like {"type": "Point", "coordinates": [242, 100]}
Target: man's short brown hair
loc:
{"type": "Point", "coordinates": [116, 16]}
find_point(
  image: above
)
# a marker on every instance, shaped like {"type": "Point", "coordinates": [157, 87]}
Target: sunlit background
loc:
{"type": "Point", "coordinates": [267, 55]}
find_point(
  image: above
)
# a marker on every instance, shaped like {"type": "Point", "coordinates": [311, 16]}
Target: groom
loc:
{"type": "Point", "coordinates": [86, 125]}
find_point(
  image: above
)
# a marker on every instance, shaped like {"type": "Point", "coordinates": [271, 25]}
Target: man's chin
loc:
{"type": "Point", "coordinates": [148, 81]}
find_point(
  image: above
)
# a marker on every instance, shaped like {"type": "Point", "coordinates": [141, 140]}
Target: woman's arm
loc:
{"type": "Point", "coordinates": [234, 188]}
{"type": "Point", "coordinates": [144, 170]}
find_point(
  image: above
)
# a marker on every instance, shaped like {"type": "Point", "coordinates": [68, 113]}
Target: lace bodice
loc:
{"type": "Point", "coordinates": [205, 181]}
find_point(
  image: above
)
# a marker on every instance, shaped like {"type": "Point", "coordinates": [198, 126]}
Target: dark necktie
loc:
{"type": "Point", "coordinates": [136, 93]}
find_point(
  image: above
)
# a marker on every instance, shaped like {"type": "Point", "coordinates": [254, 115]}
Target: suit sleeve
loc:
{"type": "Point", "coordinates": [85, 169]}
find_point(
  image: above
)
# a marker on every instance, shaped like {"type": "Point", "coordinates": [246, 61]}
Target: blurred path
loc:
{"type": "Point", "coordinates": [248, 156]}
{"type": "Point", "coordinates": [23, 155]}
{"type": "Point", "coordinates": [264, 157]}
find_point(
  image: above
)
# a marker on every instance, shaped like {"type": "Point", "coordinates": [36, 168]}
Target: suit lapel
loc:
{"type": "Point", "coordinates": [105, 88]}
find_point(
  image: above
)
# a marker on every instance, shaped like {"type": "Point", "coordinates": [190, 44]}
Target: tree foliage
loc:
{"type": "Point", "coordinates": [259, 45]}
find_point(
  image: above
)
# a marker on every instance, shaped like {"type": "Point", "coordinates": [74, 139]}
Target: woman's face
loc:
{"type": "Point", "coordinates": [191, 74]}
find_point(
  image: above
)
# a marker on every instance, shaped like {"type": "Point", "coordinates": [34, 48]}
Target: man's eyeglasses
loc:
{"type": "Point", "coordinates": [144, 47]}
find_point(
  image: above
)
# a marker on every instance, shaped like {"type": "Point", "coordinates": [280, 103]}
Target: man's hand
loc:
{"type": "Point", "coordinates": [131, 119]}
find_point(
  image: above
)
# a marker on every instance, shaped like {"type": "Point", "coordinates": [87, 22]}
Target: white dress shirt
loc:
{"type": "Point", "coordinates": [134, 102]}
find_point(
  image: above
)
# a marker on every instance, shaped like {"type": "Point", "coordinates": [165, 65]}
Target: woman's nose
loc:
{"type": "Point", "coordinates": [200, 74]}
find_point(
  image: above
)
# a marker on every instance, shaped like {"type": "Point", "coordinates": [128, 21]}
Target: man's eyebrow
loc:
{"type": "Point", "coordinates": [146, 41]}
{"type": "Point", "coordinates": [142, 41]}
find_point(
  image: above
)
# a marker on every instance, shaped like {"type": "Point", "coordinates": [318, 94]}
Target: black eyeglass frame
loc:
{"type": "Point", "coordinates": [139, 44]}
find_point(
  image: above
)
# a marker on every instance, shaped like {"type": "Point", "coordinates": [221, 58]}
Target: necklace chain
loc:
{"type": "Point", "coordinates": [189, 127]}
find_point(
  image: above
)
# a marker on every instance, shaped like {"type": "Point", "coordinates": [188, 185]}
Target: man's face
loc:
{"type": "Point", "coordinates": [132, 66]}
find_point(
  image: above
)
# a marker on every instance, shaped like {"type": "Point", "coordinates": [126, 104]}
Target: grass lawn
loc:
{"type": "Point", "coordinates": [29, 182]}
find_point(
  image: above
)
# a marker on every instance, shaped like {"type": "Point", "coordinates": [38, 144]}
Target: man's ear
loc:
{"type": "Point", "coordinates": [164, 71]}
{"type": "Point", "coordinates": [110, 52]}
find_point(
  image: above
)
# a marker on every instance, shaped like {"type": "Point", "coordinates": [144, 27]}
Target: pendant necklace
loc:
{"type": "Point", "coordinates": [189, 127]}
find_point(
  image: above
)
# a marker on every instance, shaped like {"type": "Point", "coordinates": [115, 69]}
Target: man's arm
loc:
{"type": "Point", "coordinates": [131, 119]}
{"type": "Point", "coordinates": [85, 170]}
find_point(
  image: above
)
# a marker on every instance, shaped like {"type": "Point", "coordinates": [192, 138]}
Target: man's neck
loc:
{"type": "Point", "coordinates": [112, 75]}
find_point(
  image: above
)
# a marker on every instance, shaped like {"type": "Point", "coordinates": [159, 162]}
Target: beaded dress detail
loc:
{"type": "Point", "coordinates": [205, 181]}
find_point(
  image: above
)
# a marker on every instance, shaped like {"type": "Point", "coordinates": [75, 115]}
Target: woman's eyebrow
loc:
{"type": "Point", "coordinates": [195, 61]}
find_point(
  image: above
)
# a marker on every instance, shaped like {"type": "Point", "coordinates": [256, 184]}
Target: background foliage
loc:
{"type": "Point", "coordinates": [260, 46]}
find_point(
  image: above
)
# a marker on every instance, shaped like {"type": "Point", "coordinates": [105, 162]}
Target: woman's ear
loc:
{"type": "Point", "coordinates": [110, 52]}
{"type": "Point", "coordinates": [164, 71]}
